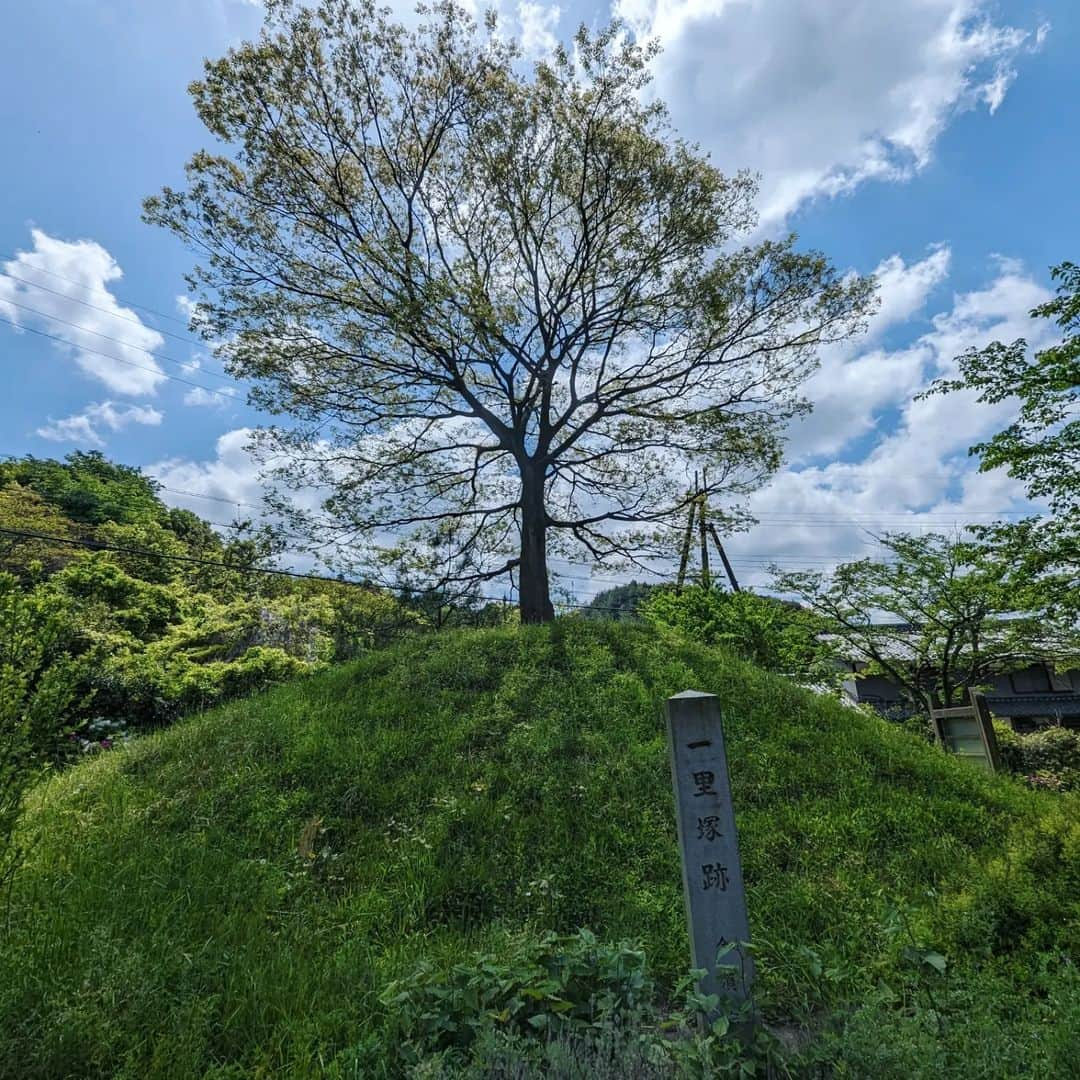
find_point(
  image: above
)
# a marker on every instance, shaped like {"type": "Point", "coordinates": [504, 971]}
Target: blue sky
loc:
{"type": "Point", "coordinates": [935, 141]}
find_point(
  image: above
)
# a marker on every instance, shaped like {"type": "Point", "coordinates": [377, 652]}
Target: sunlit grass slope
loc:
{"type": "Point", "coordinates": [229, 897]}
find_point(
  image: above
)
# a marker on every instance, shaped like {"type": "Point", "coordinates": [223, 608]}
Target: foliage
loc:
{"type": "Point", "coordinates": [1049, 757]}
{"type": "Point", "coordinates": [941, 615]}
{"type": "Point", "coordinates": [528, 310]}
{"type": "Point", "coordinates": [1041, 446]}
{"type": "Point", "coordinates": [232, 896]}
{"type": "Point", "coordinates": [87, 488]}
{"type": "Point", "coordinates": [168, 616]}
{"type": "Point", "coordinates": [549, 983]}
{"type": "Point", "coordinates": [36, 692]}
{"type": "Point", "coordinates": [620, 604]}
{"type": "Point", "coordinates": [24, 510]}
{"type": "Point", "coordinates": [770, 633]}
{"type": "Point", "coordinates": [551, 1004]}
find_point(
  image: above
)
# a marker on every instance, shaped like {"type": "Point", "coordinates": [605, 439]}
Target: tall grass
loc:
{"type": "Point", "coordinates": [229, 897]}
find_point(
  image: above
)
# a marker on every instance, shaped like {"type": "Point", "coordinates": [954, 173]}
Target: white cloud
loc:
{"type": "Point", "coordinates": [822, 95]}
{"type": "Point", "coordinates": [210, 398]}
{"type": "Point", "coordinates": [61, 288]}
{"type": "Point", "coordinates": [227, 487]}
{"type": "Point", "coordinates": [916, 473]}
{"type": "Point", "coordinates": [85, 427]}
{"type": "Point", "coordinates": [230, 477]}
{"type": "Point", "coordinates": [536, 24]}
{"type": "Point", "coordinates": [856, 380]}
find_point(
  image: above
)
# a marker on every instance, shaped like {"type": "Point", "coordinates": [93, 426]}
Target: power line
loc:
{"type": "Point", "coordinates": [117, 341]}
{"type": "Point", "coordinates": [802, 519]}
{"type": "Point", "coordinates": [738, 559]}
{"type": "Point", "coordinates": [100, 545]}
{"type": "Point", "coordinates": [748, 561]}
{"type": "Point", "coordinates": [830, 515]}
{"type": "Point", "coordinates": [758, 524]}
{"type": "Point", "coordinates": [96, 545]}
{"type": "Point", "coordinates": [827, 518]}
{"type": "Point", "coordinates": [105, 292]}
{"type": "Point", "coordinates": [109, 356]}
{"type": "Point", "coordinates": [199, 495]}
{"type": "Point", "coordinates": [187, 338]}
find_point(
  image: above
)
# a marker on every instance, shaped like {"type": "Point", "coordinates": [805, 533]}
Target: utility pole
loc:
{"type": "Point", "coordinates": [724, 559]}
{"type": "Point", "coordinates": [703, 531]}
{"type": "Point", "coordinates": [699, 511]}
{"type": "Point", "coordinates": [684, 554]}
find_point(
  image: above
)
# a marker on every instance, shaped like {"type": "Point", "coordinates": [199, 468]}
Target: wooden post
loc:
{"type": "Point", "coordinates": [986, 726]}
{"type": "Point", "coordinates": [706, 579]}
{"type": "Point", "coordinates": [684, 554]}
{"type": "Point", "coordinates": [724, 559]}
{"type": "Point", "coordinates": [712, 871]}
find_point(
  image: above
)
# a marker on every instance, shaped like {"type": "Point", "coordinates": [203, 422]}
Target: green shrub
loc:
{"type": "Point", "coordinates": [770, 633]}
{"type": "Point", "coordinates": [1048, 758]}
{"type": "Point", "coordinates": [556, 1005]}
{"type": "Point", "coordinates": [36, 692]}
{"type": "Point", "coordinates": [549, 983]}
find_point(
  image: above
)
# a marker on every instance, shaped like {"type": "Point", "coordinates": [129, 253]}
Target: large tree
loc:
{"type": "Point", "coordinates": [505, 310]}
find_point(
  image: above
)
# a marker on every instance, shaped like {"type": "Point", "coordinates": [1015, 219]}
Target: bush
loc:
{"type": "Point", "coordinates": [556, 1005]}
{"type": "Point", "coordinates": [548, 983]}
{"type": "Point", "coordinates": [1049, 758]}
{"type": "Point", "coordinates": [770, 633]}
{"type": "Point", "coordinates": [35, 694]}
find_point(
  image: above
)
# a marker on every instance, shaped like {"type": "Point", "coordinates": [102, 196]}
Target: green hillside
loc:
{"type": "Point", "coordinates": [230, 897]}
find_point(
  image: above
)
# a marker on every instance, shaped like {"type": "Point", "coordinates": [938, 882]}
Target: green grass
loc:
{"type": "Point", "coordinates": [475, 784]}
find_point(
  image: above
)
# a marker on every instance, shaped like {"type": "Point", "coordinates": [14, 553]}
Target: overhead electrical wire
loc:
{"type": "Point", "coordinates": [186, 338]}
{"type": "Point", "coordinates": [97, 545]}
{"type": "Point", "coordinates": [82, 285]}
{"type": "Point", "coordinates": [788, 519]}
{"type": "Point", "coordinates": [110, 356]}
{"type": "Point", "coordinates": [153, 354]}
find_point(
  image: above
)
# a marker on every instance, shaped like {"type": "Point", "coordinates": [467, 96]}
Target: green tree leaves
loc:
{"type": "Point", "coordinates": [1042, 445]}
{"type": "Point", "coordinates": [508, 301]}
{"type": "Point", "coordinates": [937, 614]}
{"type": "Point", "coordinates": [770, 633]}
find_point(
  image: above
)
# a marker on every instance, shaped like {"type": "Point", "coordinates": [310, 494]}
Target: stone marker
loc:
{"type": "Point", "coordinates": [712, 872]}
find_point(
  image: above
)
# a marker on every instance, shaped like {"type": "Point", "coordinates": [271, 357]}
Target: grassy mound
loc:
{"type": "Point", "coordinates": [230, 897]}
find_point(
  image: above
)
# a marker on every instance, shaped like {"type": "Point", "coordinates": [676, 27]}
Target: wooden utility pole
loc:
{"type": "Point", "coordinates": [724, 559]}
{"type": "Point", "coordinates": [703, 533]}
{"type": "Point", "coordinates": [699, 511]}
{"type": "Point", "coordinates": [684, 554]}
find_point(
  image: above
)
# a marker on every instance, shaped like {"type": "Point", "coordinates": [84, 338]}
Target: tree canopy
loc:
{"type": "Point", "coordinates": [940, 614]}
{"type": "Point", "coordinates": [1041, 446]}
{"type": "Point", "coordinates": [504, 309]}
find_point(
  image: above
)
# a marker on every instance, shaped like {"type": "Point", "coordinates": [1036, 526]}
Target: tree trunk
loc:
{"type": "Point", "coordinates": [535, 599]}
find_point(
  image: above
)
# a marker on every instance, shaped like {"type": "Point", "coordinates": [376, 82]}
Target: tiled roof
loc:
{"type": "Point", "coordinates": [1034, 704]}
